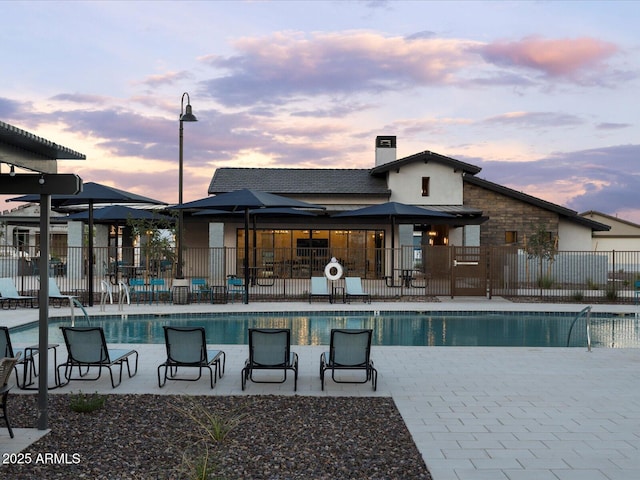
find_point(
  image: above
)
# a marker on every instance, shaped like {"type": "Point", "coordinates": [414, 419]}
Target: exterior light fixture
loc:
{"type": "Point", "coordinates": [186, 115]}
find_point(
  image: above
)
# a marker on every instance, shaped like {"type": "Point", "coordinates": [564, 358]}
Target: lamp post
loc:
{"type": "Point", "coordinates": [185, 116]}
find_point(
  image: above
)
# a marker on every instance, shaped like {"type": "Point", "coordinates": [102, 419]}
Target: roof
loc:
{"type": "Point", "coordinates": [567, 213]}
{"type": "Point", "coordinates": [299, 181]}
{"type": "Point", "coordinates": [24, 149]}
{"type": "Point", "coordinates": [426, 157]}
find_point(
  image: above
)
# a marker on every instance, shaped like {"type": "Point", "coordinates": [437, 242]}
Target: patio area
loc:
{"type": "Point", "coordinates": [473, 412]}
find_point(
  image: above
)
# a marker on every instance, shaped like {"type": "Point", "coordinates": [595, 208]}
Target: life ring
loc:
{"type": "Point", "coordinates": [333, 270]}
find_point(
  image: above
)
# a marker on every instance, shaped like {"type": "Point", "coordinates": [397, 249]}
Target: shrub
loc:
{"type": "Point", "coordinates": [83, 403]}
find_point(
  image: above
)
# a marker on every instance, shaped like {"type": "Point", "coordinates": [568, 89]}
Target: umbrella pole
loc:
{"type": "Point", "coordinates": [246, 255]}
{"type": "Point", "coordinates": [90, 271]}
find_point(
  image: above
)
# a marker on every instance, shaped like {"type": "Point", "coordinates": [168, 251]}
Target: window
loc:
{"type": "Point", "coordinates": [425, 186]}
{"type": "Point", "coordinates": [510, 236]}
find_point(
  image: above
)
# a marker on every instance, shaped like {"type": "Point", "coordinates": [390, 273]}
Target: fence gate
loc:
{"type": "Point", "coordinates": [469, 271]}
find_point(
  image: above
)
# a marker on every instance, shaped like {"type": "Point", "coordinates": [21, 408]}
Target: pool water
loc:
{"type": "Point", "coordinates": [507, 329]}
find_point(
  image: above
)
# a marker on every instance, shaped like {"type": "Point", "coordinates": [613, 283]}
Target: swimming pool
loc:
{"type": "Point", "coordinates": [506, 329]}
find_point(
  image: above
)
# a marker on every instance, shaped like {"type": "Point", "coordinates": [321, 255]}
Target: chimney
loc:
{"type": "Point", "coordinates": [385, 149]}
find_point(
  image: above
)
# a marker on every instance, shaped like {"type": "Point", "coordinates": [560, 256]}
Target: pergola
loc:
{"type": "Point", "coordinates": [19, 148]}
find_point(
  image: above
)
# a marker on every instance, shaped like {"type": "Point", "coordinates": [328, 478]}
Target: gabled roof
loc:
{"type": "Point", "coordinates": [299, 181]}
{"type": "Point", "coordinates": [426, 157]}
{"type": "Point", "coordinates": [567, 213]}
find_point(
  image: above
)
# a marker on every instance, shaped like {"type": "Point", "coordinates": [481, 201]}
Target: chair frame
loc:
{"type": "Point", "coordinates": [290, 359]}
{"type": "Point", "coordinates": [171, 365]}
{"type": "Point", "coordinates": [7, 364]}
{"type": "Point", "coordinates": [108, 358]}
{"type": "Point", "coordinates": [327, 359]}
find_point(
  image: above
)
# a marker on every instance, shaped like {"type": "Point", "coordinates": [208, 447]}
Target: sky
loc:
{"type": "Point", "coordinates": [542, 95]}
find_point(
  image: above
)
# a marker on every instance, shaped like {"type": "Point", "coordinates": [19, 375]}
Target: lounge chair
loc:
{"type": "Point", "coordinates": [10, 296]}
{"type": "Point", "coordinates": [319, 289]}
{"type": "Point", "coordinates": [26, 360]}
{"type": "Point", "coordinates": [57, 297]}
{"type": "Point", "coordinates": [6, 367]}
{"type": "Point", "coordinates": [353, 289]}
{"type": "Point", "coordinates": [270, 349]}
{"type": "Point", "coordinates": [87, 347]}
{"type": "Point", "coordinates": [187, 347]}
{"type": "Point", "coordinates": [350, 349]}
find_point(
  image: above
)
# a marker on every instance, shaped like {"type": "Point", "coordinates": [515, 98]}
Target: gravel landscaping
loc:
{"type": "Point", "coordinates": [237, 437]}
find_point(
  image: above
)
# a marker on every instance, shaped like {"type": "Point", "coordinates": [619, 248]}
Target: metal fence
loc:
{"type": "Point", "coordinates": [407, 273]}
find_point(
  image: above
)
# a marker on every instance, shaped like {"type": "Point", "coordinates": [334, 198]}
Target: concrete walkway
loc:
{"type": "Point", "coordinates": [474, 412]}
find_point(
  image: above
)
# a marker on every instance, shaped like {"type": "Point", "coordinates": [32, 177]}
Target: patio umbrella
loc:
{"type": "Point", "coordinates": [92, 194]}
{"type": "Point", "coordinates": [246, 200]}
{"type": "Point", "coordinates": [119, 214]}
{"type": "Point", "coordinates": [394, 211]}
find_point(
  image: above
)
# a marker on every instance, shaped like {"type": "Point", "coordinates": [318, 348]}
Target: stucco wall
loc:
{"type": "Point", "coordinates": [445, 186]}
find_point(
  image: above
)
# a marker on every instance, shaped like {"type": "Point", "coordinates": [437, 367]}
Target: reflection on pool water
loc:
{"type": "Point", "coordinates": [510, 329]}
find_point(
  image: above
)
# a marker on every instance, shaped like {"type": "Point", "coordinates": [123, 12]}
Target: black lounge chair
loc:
{"type": "Point", "coordinates": [350, 349]}
{"type": "Point", "coordinates": [270, 349]}
{"type": "Point", "coordinates": [87, 347]}
{"type": "Point", "coordinates": [187, 347]}
{"type": "Point", "coordinates": [6, 367]}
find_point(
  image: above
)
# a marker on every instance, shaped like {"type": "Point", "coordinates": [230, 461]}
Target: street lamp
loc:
{"type": "Point", "coordinates": [185, 116]}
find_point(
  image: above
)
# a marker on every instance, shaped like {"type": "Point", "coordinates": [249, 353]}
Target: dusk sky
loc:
{"type": "Point", "coordinates": [542, 95]}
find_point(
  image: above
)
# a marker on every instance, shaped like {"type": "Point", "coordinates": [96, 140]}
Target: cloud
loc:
{"type": "Point", "coordinates": [603, 179]}
{"type": "Point", "coordinates": [289, 65]}
{"type": "Point", "coordinates": [553, 57]}
{"type": "Point", "coordinates": [81, 98]}
{"type": "Point", "coordinates": [534, 119]}
{"type": "Point", "coordinates": [167, 78]}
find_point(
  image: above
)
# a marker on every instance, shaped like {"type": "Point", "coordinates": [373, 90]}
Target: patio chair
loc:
{"type": "Point", "coordinates": [353, 289]}
{"type": "Point", "coordinates": [87, 348]}
{"type": "Point", "coordinates": [159, 288]}
{"type": "Point", "coordinates": [199, 289]}
{"type": "Point", "coordinates": [350, 349]}
{"type": "Point", "coordinates": [10, 296]}
{"type": "Point", "coordinates": [319, 289]}
{"type": "Point", "coordinates": [235, 287]}
{"type": "Point", "coordinates": [187, 347]}
{"type": "Point", "coordinates": [26, 361]}
{"type": "Point", "coordinates": [57, 297]}
{"type": "Point", "coordinates": [270, 349]}
{"type": "Point", "coordinates": [138, 289]}
{"type": "Point", "coordinates": [6, 367]}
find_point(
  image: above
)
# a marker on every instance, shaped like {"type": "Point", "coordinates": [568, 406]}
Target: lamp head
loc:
{"type": "Point", "coordinates": [188, 116]}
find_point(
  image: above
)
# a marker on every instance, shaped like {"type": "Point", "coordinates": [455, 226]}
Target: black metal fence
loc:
{"type": "Point", "coordinates": [407, 273]}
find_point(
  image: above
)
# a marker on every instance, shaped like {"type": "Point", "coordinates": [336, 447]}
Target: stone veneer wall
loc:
{"type": "Point", "coordinates": [506, 214]}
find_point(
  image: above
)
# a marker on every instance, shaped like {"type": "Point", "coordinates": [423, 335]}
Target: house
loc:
{"type": "Point", "coordinates": [624, 236]}
{"type": "Point", "coordinates": [486, 214]}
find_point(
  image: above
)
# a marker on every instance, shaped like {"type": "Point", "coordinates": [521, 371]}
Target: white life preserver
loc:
{"type": "Point", "coordinates": [333, 270]}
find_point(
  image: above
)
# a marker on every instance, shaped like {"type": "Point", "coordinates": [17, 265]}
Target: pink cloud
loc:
{"type": "Point", "coordinates": [562, 57]}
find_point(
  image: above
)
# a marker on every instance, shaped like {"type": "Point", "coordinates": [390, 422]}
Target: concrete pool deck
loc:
{"type": "Point", "coordinates": [474, 412]}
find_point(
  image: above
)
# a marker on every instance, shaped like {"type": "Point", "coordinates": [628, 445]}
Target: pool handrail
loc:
{"type": "Point", "coordinates": [585, 312]}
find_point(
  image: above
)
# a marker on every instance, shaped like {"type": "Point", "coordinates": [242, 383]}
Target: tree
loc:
{"type": "Point", "coordinates": [156, 242]}
{"type": "Point", "coordinates": [541, 245]}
